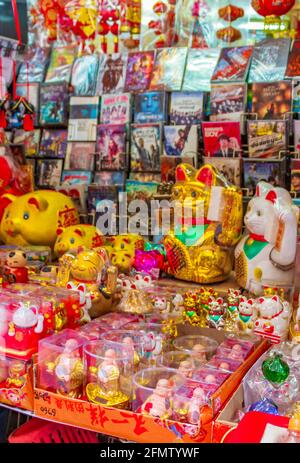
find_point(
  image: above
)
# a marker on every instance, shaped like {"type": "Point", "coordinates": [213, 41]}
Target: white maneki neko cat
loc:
{"type": "Point", "coordinates": [267, 250]}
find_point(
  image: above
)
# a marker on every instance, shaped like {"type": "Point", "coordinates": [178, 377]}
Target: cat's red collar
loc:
{"type": "Point", "coordinates": [257, 237]}
{"type": "Point", "coordinates": [273, 316]}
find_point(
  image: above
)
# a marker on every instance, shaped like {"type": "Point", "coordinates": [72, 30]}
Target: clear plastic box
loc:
{"type": "Point", "coordinates": [60, 363]}
{"type": "Point", "coordinates": [154, 391]}
{"type": "Point", "coordinates": [201, 348]}
{"type": "Point", "coordinates": [108, 370]}
{"type": "Point", "coordinates": [181, 361]}
{"type": "Point", "coordinates": [24, 320]}
{"type": "Point", "coordinates": [136, 340]}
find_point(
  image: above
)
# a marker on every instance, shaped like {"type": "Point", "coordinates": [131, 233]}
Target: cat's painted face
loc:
{"type": "Point", "coordinates": [259, 214]}
{"type": "Point", "coordinates": [194, 194]}
{"type": "Point", "coordinates": [268, 307]}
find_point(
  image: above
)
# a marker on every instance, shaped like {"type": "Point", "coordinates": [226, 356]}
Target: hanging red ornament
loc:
{"type": "Point", "coordinates": [229, 34]}
{"type": "Point", "coordinates": [272, 7]}
{"type": "Point", "coordinates": [3, 120]}
{"type": "Point", "coordinates": [160, 8]}
{"type": "Point", "coordinates": [231, 13]}
{"type": "Point", "coordinates": [28, 124]}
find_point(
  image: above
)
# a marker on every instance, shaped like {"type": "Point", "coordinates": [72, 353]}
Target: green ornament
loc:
{"type": "Point", "coordinates": [191, 314]}
{"type": "Point", "coordinates": [275, 369]}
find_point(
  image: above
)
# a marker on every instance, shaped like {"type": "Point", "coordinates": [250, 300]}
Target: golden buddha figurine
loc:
{"type": "Point", "coordinates": [16, 374]}
{"type": "Point", "coordinates": [68, 370]}
{"type": "Point", "coordinates": [206, 226]}
{"type": "Point", "coordinates": [106, 390]}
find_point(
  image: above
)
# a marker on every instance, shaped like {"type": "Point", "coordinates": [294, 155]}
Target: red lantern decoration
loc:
{"type": "Point", "coordinates": [272, 7]}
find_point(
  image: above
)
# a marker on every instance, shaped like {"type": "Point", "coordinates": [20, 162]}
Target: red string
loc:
{"type": "Point", "coordinates": [1, 77]}
{"type": "Point", "coordinates": [27, 80]}
{"type": "Point", "coordinates": [17, 21]}
{"type": "Point", "coordinates": [14, 80]}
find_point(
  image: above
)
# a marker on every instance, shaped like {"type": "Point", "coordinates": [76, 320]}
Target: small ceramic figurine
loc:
{"type": "Point", "coordinates": [231, 316]}
{"type": "Point", "coordinates": [107, 388]}
{"type": "Point", "coordinates": [161, 305]}
{"type": "Point", "coordinates": [16, 374]}
{"type": "Point", "coordinates": [71, 238]}
{"type": "Point", "coordinates": [268, 249]}
{"type": "Point", "coordinates": [216, 312]}
{"type": "Point", "coordinates": [236, 352]}
{"type": "Point", "coordinates": [122, 249]}
{"type": "Point", "coordinates": [85, 300]}
{"type": "Point", "coordinates": [128, 343]}
{"type": "Point", "coordinates": [273, 319]}
{"type": "Point", "coordinates": [135, 300]}
{"type": "Point", "coordinates": [198, 353]}
{"type": "Point", "coordinates": [87, 268]}
{"type": "Point", "coordinates": [158, 403]}
{"type": "Point", "coordinates": [15, 270]}
{"type": "Point", "coordinates": [177, 302]}
{"type": "Point", "coordinates": [194, 405]}
{"type": "Point", "coordinates": [246, 315]}
{"type": "Point", "coordinates": [68, 370]}
{"type": "Point", "coordinates": [153, 346]}
{"type": "Point", "coordinates": [186, 368]}
{"type": "Point", "coordinates": [295, 324]}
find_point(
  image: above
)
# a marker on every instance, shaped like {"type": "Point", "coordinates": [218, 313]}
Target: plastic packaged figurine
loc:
{"type": "Point", "coordinates": [198, 248]}
{"type": "Point", "coordinates": [224, 363]}
{"type": "Point", "coordinates": [188, 401]}
{"type": "Point", "coordinates": [134, 340]}
{"type": "Point", "coordinates": [268, 249]}
{"type": "Point", "coordinates": [210, 376]}
{"type": "Point", "coordinates": [200, 348]}
{"type": "Point", "coordinates": [60, 363]}
{"type": "Point", "coordinates": [23, 322]}
{"type": "Point", "coordinates": [154, 391]}
{"type": "Point", "coordinates": [108, 373]}
{"type": "Point", "coordinates": [181, 361]}
{"type": "Point", "coordinates": [15, 270]}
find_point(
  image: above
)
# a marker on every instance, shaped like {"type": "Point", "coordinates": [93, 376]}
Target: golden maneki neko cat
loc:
{"type": "Point", "coordinates": [200, 244]}
{"type": "Point", "coordinates": [86, 269]}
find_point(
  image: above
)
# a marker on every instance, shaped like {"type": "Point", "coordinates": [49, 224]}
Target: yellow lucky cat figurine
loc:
{"type": "Point", "coordinates": [199, 245]}
{"type": "Point", "coordinates": [86, 269]}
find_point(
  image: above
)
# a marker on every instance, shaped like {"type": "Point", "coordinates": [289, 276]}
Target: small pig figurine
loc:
{"type": "Point", "coordinates": [273, 318]}
{"type": "Point", "coordinates": [122, 249]}
{"type": "Point", "coordinates": [77, 236]}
